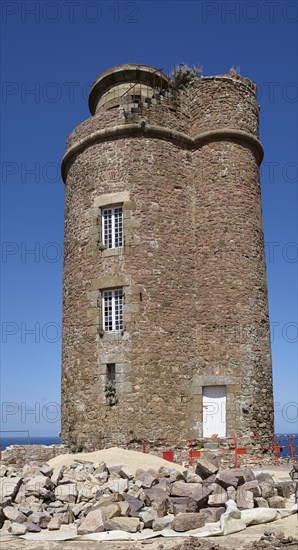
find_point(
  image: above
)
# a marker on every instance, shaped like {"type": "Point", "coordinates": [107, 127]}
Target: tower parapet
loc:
{"type": "Point", "coordinates": [123, 84]}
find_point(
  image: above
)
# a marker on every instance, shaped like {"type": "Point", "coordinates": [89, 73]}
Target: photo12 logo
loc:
{"type": "Point", "coordinates": [34, 413]}
{"type": "Point", "coordinates": [70, 12]}
{"type": "Point", "coordinates": [275, 172]}
{"type": "Point", "coordinates": [44, 92]}
{"type": "Point", "coordinates": [249, 12]}
{"type": "Point", "coordinates": [26, 172]}
{"type": "Point", "coordinates": [35, 252]}
{"type": "Point", "coordinates": [31, 332]}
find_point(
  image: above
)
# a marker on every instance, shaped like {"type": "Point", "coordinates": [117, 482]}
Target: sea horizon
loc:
{"type": "Point", "coordinates": [55, 440]}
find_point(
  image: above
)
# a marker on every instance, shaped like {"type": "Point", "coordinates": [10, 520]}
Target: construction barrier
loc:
{"type": "Point", "coordinates": [292, 445]}
{"type": "Point", "coordinates": [232, 451]}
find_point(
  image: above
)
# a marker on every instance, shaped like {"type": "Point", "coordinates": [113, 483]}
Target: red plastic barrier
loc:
{"type": "Point", "coordinates": [168, 455]}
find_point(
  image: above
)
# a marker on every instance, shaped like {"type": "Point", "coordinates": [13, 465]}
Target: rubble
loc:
{"type": "Point", "coordinates": [188, 521]}
{"type": "Point", "coordinates": [131, 525]}
{"type": "Point", "coordinates": [97, 497]}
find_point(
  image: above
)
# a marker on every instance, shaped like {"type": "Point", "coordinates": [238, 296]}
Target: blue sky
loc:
{"type": "Point", "coordinates": [51, 53]}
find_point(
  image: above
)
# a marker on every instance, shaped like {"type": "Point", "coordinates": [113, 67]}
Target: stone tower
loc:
{"type": "Point", "coordinates": [165, 314]}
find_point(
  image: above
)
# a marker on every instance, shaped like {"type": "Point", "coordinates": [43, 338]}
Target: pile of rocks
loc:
{"type": "Point", "coordinates": [97, 497]}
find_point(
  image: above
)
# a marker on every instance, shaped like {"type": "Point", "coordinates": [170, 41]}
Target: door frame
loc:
{"type": "Point", "coordinates": [233, 403]}
{"type": "Point", "coordinates": [220, 412]}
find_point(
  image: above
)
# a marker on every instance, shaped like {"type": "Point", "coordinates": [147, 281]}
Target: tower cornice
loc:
{"type": "Point", "coordinates": [160, 132]}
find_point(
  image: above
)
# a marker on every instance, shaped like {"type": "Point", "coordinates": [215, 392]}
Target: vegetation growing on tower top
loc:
{"type": "Point", "coordinates": [235, 73]}
{"type": "Point", "coordinates": [182, 75]}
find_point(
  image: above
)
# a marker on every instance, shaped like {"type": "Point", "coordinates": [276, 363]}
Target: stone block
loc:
{"type": "Point", "coordinates": [155, 495]}
{"type": "Point", "coordinates": [32, 527]}
{"type": "Point", "coordinates": [186, 522]}
{"type": "Point", "coordinates": [254, 487]}
{"type": "Point", "coordinates": [54, 524]}
{"type": "Point", "coordinates": [8, 489]}
{"type": "Point", "coordinates": [192, 477]}
{"type": "Point", "coordinates": [56, 475]}
{"type": "Point", "coordinates": [40, 518]}
{"type": "Point", "coordinates": [209, 480]}
{"type": "Point", "coordinates": [163, 523]}
{"type": "Point", "coordinates": [131, 525]}
{"type": "Point", "coordinates": [93, 523]}
{"type": "Point", "coordinates": [135, 504]}
{"type": "Point", "coordinates": [164, 484]}
{"type": "Point", "coordinates": [265, 478]}
{"type": "Point", "coordinates": [147, 516]}
{"type": "Point", "coordinates": [213, 514]}
{"type": "Point", "coordinates": [3, 470]}
{"type": "Point", "coordinates": [218, 498]}
{"type": "Point", "coordinates": [260, 502]}
{"type": "Point", "coordinates": [124, 508]}
{"type": "Point", "coordinates": [110, 511]}
{"type": "Point", "coordinates": [205, 468]}
{"type": "Point", "coordinates": [239, 473]}
{"type": "Point", "coordinates": [118, 486]}
{"type": "Point", "coordinates": [101, 467]}
{"type": "Point", "coordinates": [46, 470]}
{"type": "Point", "coordinates": [126, 473]}
{"type": "Point", "coordinates": [244, 499]}
{"type": "Point", "coordinates": [276, 502]}
{"type": "Point", "coordinates": [39, 486]}
{"type": "Point", "coordinates": [231, 492]}
{"type": "Point", "coordinates": [175, 476]}
{"type": "Point", "coordinates": [194, 491]}
{"type": "Point", "coordinates": [267, 489]}
{"type": "Point", "coordinates": [226, 479]}
{"type": "Point", "coordinates": [64, 517]}
{"type": "Point", "coordinates": [285, 488]}
{"type": "Point", "coordinates": [182, 504]}
{"type": "Point", "coordinates": [67, 492]}
{"type": "Point", "coordinates": [146, 479]}
{"type": "Point", "coordinates": [18, 529]}
{"type": "Point", "coordinates": [14, 514]}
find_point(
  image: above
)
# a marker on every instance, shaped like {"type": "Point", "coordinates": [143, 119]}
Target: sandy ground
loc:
{"type": "Point", "coordinates": [116, 456]}
{"type": "Point", "coordinates": [134, 460]}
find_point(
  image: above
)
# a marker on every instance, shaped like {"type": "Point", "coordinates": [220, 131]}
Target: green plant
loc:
{"type": "Point", "coordinates": [182, 75]}
{"type": "Point", "coordinates": [197, 444]}
{"type": "Point", "coordinates": [77, 448]}
{"type": "Point", "coordinates": [110, 392]}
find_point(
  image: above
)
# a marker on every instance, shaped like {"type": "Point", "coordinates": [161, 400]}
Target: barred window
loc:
{"type": "Point", "coordinates": [112, 227]}
{"type": "Point", "coordinates": [112, 308]}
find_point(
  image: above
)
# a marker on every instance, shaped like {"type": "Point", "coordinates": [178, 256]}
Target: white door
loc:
{"type": "Point", "coordinates": [214, 411]}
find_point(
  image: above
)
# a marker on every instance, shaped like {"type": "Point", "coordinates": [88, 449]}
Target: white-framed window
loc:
{"type": "Point", "coordinates": [112, 310]}
{"type": "Point", "coordinates": [112, 227]}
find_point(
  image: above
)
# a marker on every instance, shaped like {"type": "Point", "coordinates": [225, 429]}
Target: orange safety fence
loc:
{"type": "Point", "coordinates": [228, 448]}
{"type": "Point", "coordinates": [292, 445]}
{"type": "Point", "coordinates": [256, 447]}
{"type": "Point", "coordinates": [169, 449]}
{"type": "Point", "coordinates": [233, 449]}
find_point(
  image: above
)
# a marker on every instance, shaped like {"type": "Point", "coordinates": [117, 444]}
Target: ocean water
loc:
{"type": "Point", "coordinates": [282, 440]}
{"type": "Point", "coordinates": [24, 440]}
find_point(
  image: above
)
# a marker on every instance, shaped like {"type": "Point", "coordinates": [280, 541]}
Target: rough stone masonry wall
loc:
{"type": "Point", "coordinates": [192, 270]}
{"type": "Point", "coordinates": [233, 331]}
{"type": "Point", "coordinates": [149, 382]}
{"type": "Point", "coordinates": [22, 454]}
